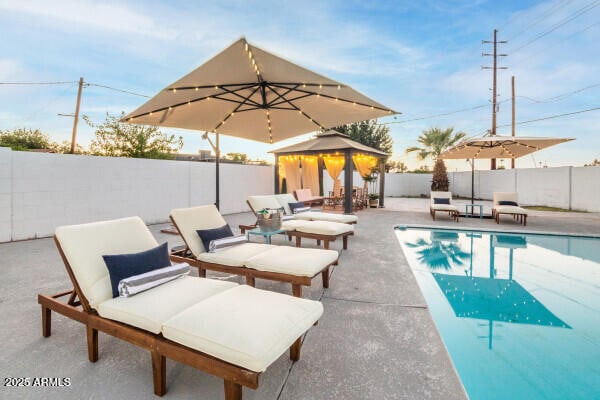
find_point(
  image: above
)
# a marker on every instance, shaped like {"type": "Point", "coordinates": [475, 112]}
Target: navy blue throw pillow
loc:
{"type": "Point", "coordinates": [444, 200]}
{"type": "Point", "coordinates": [206, 235]}
{"type": "Point", "coordinates": [507, 203]}
{"type": "Point", "coordinates": [121, 266]}
{"type": "Point", "coordinates": [294, 206]}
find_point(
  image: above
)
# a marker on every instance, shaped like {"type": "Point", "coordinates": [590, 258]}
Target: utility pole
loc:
{"type": "Point", "coordinates": [512, 82]}
{"type": "Point", "coordinates": [76, 117]}
{"type": "Point", "coordinates": [495, 69]}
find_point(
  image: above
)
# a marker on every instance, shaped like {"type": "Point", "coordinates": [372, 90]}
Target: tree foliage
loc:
{"type": "Point", "coordinates": [434, 141]}
{"type": "Point", "coordinates": [440, 176]}
{"type": "Point", "coordinates": [117, 139]}
{"type": "Point", "coordinates": [241, 158]}
{"type": "Point", "coordinates": [398, 167]}
{"type": "Point", "coordinates": [369, 133]}
{"type": "Point", "coordinates": [25, 139]}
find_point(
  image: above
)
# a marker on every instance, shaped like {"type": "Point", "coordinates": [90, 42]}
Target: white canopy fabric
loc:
{"type": "Point", "coordinates": [499, 147]}
{"type": "Point", "coordinates": [249, 93]}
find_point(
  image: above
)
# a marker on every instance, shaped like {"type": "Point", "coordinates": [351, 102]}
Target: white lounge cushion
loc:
{"type": "Point", "coordinates": [257, 203]}
{"type": "Point", "coordinates": [323, 216]}
{"type": "Point", "coordinates": [235, 256]}
{"type": "Point", "coordinates": [84, 245]}
{"type": "Point", "coordinates": [190, 220]}
{"type": "Point", "coordinates": [444, 207]}
{"type": "Point", "coordinates": [293, 260]}
{"type": "Point", "coordinates": [284, 201]}
{"type": "Point", "coordinates": [150, 309]}
{"type": "Point", "coordinates": [293, 224]}
{"type": "Point", "coordinates": [325, 228]}
{"type": "Point", "coordinates": [510, 210]}
{"type": "Point", "coordinates": [247, 327]}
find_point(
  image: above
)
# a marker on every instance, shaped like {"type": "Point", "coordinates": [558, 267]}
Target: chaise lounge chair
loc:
{"type": "Point", "coordinates": [507, 203]}
{"type": "Point", "coordinates": [294, 265]}
{"type": "Point", "coordinates": [184, 319]}
{"type": "Point", "coordinates": [441, 201]}
{"type": "Point", "coordinates": [306, 196]}
{"type": "Point", "coordinates": [328, 229]}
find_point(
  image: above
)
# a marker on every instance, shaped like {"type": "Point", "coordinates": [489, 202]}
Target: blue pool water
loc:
{"type": "Point", "coordinates": [519, 314]}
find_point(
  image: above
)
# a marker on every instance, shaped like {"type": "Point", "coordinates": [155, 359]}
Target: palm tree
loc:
{"type": "Point", "coordinates": [435, 141]}
{"type": "Point", "coordinates": [441, 252]}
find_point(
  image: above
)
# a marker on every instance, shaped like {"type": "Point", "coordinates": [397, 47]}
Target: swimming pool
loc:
{"type": "Point", "coordinates": [519, 314]}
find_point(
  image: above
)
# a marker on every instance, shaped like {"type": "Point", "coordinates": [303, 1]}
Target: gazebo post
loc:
{"type": "Point", "coordinates": [348, 182]}
{"type": "Point", "coordinates": [381, 181]}
{"type": "Point", "coordinates": [320, 169]}
{"type": "Point", "coordinates": [276, 174]}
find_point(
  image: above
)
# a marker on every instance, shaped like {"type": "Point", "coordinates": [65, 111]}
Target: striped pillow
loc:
{"type": "Point", "coordinates": [220, 244]}
{"type": "Point", "coordinates": [139, 283]}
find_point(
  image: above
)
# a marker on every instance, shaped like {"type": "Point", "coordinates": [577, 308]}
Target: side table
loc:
{"type": "Point", "coordinates": [472, 207]}
{"type": "Point", "coordinates": [266, 235]}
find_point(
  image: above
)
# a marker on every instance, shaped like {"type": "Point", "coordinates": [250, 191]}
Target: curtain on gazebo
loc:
{"type": "Point", "coordinates": [292, 173]}
{"type": "Point", "coordinates": [364, 163]}
{"type": "Point", "coordinates": [310, 174]}
{"type": "Point", "coordinates": [334, 165]}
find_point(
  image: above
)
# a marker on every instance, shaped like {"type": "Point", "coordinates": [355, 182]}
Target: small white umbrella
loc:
{"type": "Point", "coordinates": [496, 146]}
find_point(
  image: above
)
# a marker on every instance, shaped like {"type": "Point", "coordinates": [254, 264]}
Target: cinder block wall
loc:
{"type": "Point", "coordinates": [40, 191]}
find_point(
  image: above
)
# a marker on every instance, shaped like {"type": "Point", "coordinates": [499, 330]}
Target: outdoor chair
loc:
{"type": "Point", "coordinates": [294, 265]}
{"type": "Point", "coordinates": [325, 227]}
{"type": "Point", "coordinates": [507, 203]}
{"type": "Point", "coordinates": [306, 196]}
{"type": "Point", "coordinates": [184, 319]}
{"type": "Point", "coordinates": [335, 197]}
{"type": "Point", "coordinates": [442, 201]}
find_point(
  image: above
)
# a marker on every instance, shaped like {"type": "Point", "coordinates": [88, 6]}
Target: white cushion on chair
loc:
{"type": "Point", "coordinates": [84, 245]}
{"type": "Point", "coordinates": [444, 207]}
{"type": "Point", "coordinates": [235, 256]}
{"type": "Point", "coordinates": [190, 220]}
{"type": "Point", "coordinates": [257, 203]}
{"type": "Point", "coordinates": [293, 260]}
{"type": "Point", "coordinates": [247, 327]}
{"type": "Point", "coordinates": [322, 216]}
{"type": "Point", "coordinates": [294, 224]}
{"type": "Point", "coordinates": [510, 210]}
{"type": "Point", "coordinates": [150, 309]}
{"type": "Point", "coordinates": [325, 228]}
{"type": "Point", "coordinates": [284, 201]}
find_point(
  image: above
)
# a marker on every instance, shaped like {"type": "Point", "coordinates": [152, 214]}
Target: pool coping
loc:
{"type": "Point", "coordinates": [488, 230]}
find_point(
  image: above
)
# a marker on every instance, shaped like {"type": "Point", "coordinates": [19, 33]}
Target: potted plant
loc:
{"type": "Point", "coordinates": [371, 180]}
{"type": "Point", "coordinates": [269, 219]}
{"type": "Point", "coordinates": [373, 200]}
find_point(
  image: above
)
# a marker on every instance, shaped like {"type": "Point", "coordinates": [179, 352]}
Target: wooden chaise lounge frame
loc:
{"type": "Point", "coordinates": [160, 348]}
{"type": "Point", "coordinates": [250, 274]}
{"type": "Point", "coordinates": [299, 235]}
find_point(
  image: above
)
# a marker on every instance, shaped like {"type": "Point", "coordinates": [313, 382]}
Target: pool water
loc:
{"type": "Point", "coordinates": [519, 314]}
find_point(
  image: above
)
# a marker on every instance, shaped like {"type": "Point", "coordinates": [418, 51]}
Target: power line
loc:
{"type": "Point", "coordinates": [435, 115]}
{"type": "Point", "coordinates": [118, 90]}
{"type": "Point", "coordinates": [38, 83]}
{"type": "Point", "coordinates": [530, 24]}
{"type": "Point", "coordinates": [563, 22]}
{"type": "Point", "coordinates": [553, 116]}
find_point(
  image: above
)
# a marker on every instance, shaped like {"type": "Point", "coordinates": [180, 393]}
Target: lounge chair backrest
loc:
{"type": "Point", "coordinates": [441, 195]}
{"type": "Point", "coordinates": [189, 220]}
{"type": "Point", "coordinates": [84, 245]}
{"type": "Point", "coordinates": [304, 194]}
{"type": "Point", "coordinates": [284, 200]}
{"type": "Point", "coordinates": [257, 203]}
{"type": "Point", "coordinates": [505, 196]}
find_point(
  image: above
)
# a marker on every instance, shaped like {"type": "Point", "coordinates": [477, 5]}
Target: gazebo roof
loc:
{"type": "Point", "coordinates": [329, 141]}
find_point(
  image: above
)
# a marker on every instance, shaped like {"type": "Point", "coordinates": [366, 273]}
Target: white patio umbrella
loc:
{"type": "Point", "coordinates": [496, 146]}
{"type": "Point", "coordinates": [249, 93]}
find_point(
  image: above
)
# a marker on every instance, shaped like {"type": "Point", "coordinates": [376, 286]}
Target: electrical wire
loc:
{"type": "Point", "coordinates": [117, 90]}
{"type": "Point", "coordinates": [38, 83]}
{"type": "Point", "coordinates": [563, 22]}
{"type": "Point", "coordinates": [531, 23]}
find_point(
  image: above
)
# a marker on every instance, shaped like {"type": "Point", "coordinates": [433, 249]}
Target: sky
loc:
{"type": "Point", "coordinates": [423, 59]}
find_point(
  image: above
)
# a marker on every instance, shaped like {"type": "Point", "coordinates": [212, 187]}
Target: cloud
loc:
{"type": "Point", "coordinates": [109, 18]}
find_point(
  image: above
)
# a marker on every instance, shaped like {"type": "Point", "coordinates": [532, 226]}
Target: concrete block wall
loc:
{"type": "Point", "coordinates": [5, 194]}
{"type": "Point", "coordinates": [544, 186]}
{"type": "Point", "coordinates": [40, 191]}
{"type": "Point", "coordinates": [585, 188]}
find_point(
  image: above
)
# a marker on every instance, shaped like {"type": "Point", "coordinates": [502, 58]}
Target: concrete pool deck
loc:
{"type": "Point", "coordinates": [376, 339]}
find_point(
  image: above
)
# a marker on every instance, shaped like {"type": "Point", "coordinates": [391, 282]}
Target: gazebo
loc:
{"type": "Point", "coordinates": [336, 152]}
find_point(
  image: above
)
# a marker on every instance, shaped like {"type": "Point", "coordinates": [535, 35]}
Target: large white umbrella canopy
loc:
{"type": "Point", "coordinates": [249, 93]}
{"type": "Point", "coordinates": [499, 147]}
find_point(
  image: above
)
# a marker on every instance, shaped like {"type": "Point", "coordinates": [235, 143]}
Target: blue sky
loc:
{"type": "Point", "coordinates": [421, 58]}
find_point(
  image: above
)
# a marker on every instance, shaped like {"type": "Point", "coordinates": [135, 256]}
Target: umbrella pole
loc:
{"type": "Point", "coordinates": [218, 155]}
{"type": "Point", "coordinates": [472, 180]}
